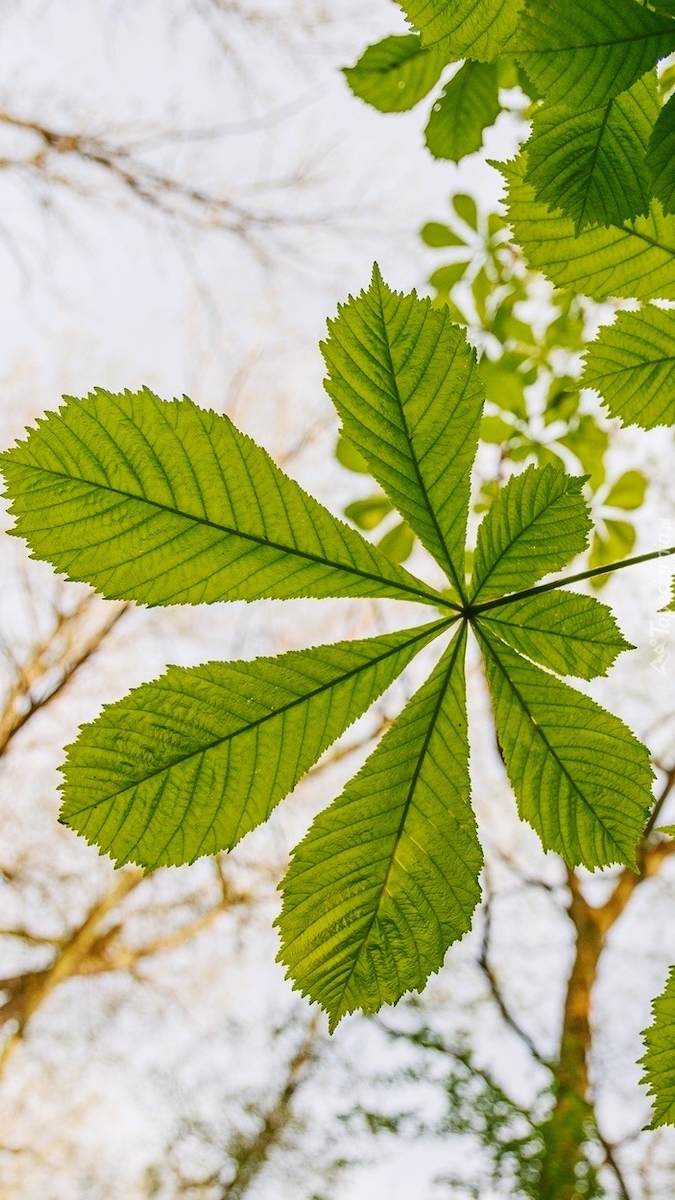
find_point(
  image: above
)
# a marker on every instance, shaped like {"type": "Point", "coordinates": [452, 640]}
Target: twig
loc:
{"type": "Point", "coordinates": [611, 1162]}
{"type": "Point", "coordinates": [51, 665]}
{"type": "Point", "coordinates": [495, 992]}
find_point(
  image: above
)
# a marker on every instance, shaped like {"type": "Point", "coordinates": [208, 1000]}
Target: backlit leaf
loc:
{"type": "Point", "coordinates": [188, 764]}
{"type": "Point", "coordinates": [468, 105]}
{"type": "Point", "coordinates": [661, 157]}
{"type": "Point", "coordinates": [167, 503]}
{"type": "Point", "coordinates": [435, 234]}
{"type": "Point", "coordinates": [536, 524]}
{"type": "Point", "coordinates": [368, 513]}
{"type": "Point", "coordinates": [569, 633]}
{"type": "Point", "coordinates": [583, 53]}
{"type": "Point", "coordinates": [632, 260]}
{"type": "Point", "coordinates": [396, 73]}
{"type": "Point", "coordinates": [631, 364]}
{"type": "Point", "coordinates": [581, 779]}
{"type": "Point", "coordinates": [404, 382]}
{"type": "Point", "coordinates": [476, 29]}
{"type": "Point", "coordinates": [386, 878]}
{"type": "Point", "coordinates": [628, 491]}
{"type": "Point", "coordinates": [591, 164]}
{"type": "Point", "coordinates": [397, 543]}
{"type": "Point", "coordinates": [659, 1061]}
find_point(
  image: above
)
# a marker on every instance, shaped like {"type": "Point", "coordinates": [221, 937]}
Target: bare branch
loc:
{"type": "Point", "coordinates": [495, 991]}
{"type": "Point", "coordinates": [93, 950]}
{"type": "Point", "coordinates": [667, 788]}
{"type": "Point", "coordinates": [610, 1159]}
{"type": "Point", "coordinates": [52, 155]}
{"type": "Point", "coordinates": [29, 991]}
{"type": "Point", "coordinates": [252, 1154]}
{"type": "Point", "coordinates": [51, 665]}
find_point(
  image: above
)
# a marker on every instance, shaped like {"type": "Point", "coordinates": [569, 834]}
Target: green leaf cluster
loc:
{"type": "Point", "coordinates": [601, 147]}
{"type": "Point", "coordinates": [168, 503]}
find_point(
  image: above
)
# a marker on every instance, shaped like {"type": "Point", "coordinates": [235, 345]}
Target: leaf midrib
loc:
{"type": "Point", "coordinates": [457, 646]}
{"type": "Point", "coordinates": [454, 577]}
{"type": "Point", "coordinates": [429, 596]}
{"type": "Point", "coordinates": [425, 633]}
{"type": "Point", "coordinates": [548, 633]}
{"type": "Point", "coordinates": [593, 164]}
{"type": "Point", "coordinates": [623, 41]}
{"type": "Point", "coordinates": [640, 365]}
{"type": "Point", "coordinates": [514, 542]}
{"type": "Point", "coordinates": [485, 639]}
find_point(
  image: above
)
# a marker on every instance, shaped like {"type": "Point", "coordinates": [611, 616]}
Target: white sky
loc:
{"type": "Point", "coordinates": [101, 298]}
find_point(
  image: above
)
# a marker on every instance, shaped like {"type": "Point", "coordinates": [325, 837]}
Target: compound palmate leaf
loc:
{"type": "Point", "coordinates": [636, 259]}
{"type": "Point", "coordinates": [167, 503]}
{"type": "Point", "coordinates": [190, 763]}
{"type": "Point", "coordinates": [465, 28]}
{"type": "Point", "coordinates": [659, 1061]}
{"type": "Point", "coordinates": [405, 384]}
{"type": "Point", "coordinates": [591, 165]}
{"type": "Point", "coordinates": [396, 73]}
{"type": "Point", "coordinates": [386, 878]}
{"type": "Point", "coordinates": [584, 52]}
{"type": "Point", "coordinates": [631, 364]}
{"type": "Point", "coordinates": [581, 778]}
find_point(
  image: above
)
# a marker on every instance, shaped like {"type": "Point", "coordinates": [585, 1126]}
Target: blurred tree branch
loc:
{"type": "Point", "coordinates": [52, 662]}
{"type": "Point", "coordinates": [55, 157]}
{"type": "Point", "coordinates": [93, 948]}
{"type": "Point", "coordinates": [493, 982]}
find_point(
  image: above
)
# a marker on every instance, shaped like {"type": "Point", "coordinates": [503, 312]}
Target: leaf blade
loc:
{"type": "Point", "coordinates": [476, 29]}
{"type": "Point", "coordinates": [631, 365]}
{"type": "Point", "coordinates": [660, 157]}
{"type": "Point", "coordinates": [166, 503]}
{"type": "Point", "coordinates": [535, 525]}
{"type": "Point", "coordinates": [585, 54]}
{"type": "Point", "coordinates": [592, 165]}
{"type": "Point", "coordinates": [188, 764]}
{"type": "Point", "coordinates": [404, 382]}
{"type": "Point", "coordinates": [395, 74]}
{"type": "Point", "coordinates": [659, 1059]}
{"type": "Point", "coordinates": [581, 778]}
{"type": "Point", "coordinates": [468, 104]}
{"type": "Point", "coordinates": [564, 631]}
{"type": "Point", "coordinates": [401, 839]}
{"type": "Point", "coordinates": [632, 260]}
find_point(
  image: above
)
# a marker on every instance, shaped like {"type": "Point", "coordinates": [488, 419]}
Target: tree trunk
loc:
{"type": "Point", "coordinates": [568, 1126]}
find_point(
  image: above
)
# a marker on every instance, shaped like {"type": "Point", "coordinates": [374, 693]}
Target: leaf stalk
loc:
{"type": "Point", "coordinates": [474, 610]}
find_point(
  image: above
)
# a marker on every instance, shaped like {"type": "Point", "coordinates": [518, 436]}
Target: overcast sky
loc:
{"type": "Point", "coordinates": [98, 292]}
